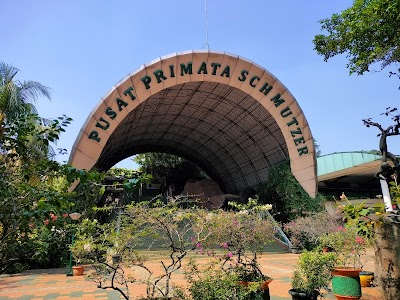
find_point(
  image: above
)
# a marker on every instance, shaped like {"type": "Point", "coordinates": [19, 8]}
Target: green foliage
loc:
{"type": "Point", "coordinates": [176, 170]}
{"type": "Point", "coordinates": [368, 32]}
{"type": "Point", "coordinates": [17, 97]}
{"type": "Point", "coordinates": [349, 247]}
{"type": "Point", "coordinates": [34, 191]}
{"type": "Point", "coordinates": [360, 216]}
{"type": "Point", "coordinates": [317, 148]}
{"type": "Point", "coordinates": [212, 283]}
{"type": "Point", "coordinates": [395, 193]}
{"type": "Point", "coordinates": [155, 160]}
{"type": "Point", "coordinates": [313, 271]}
{"type": "Point", "coordinates": [287, 196]}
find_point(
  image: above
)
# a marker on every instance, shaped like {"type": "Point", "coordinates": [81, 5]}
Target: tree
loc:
{"type": "Point", "coordinates": [16, 96]}
{"type": "Point", "coordinates": [176, 170]}
{"type": "Point", "coordinates": [368, 32]}
{"type": "Point", "coordinates": [154, 160]}
{"type": "Point", "coordinates": [386, 170]}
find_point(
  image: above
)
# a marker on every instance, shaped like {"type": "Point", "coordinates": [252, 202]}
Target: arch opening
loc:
{"type": "Point", "coordinates": [232, 118]}
{"type": "Point", "coordinates": [220, 128]}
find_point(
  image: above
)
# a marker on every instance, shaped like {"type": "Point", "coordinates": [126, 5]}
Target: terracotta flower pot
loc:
{"type": "Point", "coordinates": [346, 283]}
{"type": "Point", "coordinates": [264, 285]}
{"type": "Point", "coordinates": [78, 270]}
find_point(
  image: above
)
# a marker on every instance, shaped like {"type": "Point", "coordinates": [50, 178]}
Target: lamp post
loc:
{"type": "Point", "coordinates": [74, 217]}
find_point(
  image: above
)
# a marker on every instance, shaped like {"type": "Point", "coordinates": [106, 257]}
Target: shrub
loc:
{"type": "Point", "coordinates": [213, 283]}
{"type": "Point", "coordinates": [313, 272]}
{"type": "Point", "coordinates": [348, 246]}
{"type": "Point", "coordinates": [305, 232]}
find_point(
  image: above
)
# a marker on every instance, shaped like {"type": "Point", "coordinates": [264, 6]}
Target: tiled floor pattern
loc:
{"type": "Point", "coordinates": [54, 284]}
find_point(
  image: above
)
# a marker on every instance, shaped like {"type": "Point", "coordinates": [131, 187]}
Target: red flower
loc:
{"type": "Point", "coordinates": [46, 222]}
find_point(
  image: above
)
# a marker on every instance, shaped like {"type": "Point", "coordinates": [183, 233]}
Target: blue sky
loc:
{"type": "Point", "coordinates": [80, 49]}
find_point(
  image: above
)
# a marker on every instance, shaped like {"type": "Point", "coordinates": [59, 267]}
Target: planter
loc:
{"type": "Point", "coordinates": [366, 278]}
{"type": "Point", "coordinates": [346, 283]}
{"type": "Point", "coordinates": [265, 285]}
{"type": "Point", "coordinates": [295, 250]}
{"type": "Point", "coordinates": [327, 249]}
{"type": "Point", "coordinates": [264, 289]}
{"type": "Point", "coordinates": [116, 258]}
{"type": "Point", "coordinates": [299, 295]}
{"type": "Point", "coordinates": [78, 270]}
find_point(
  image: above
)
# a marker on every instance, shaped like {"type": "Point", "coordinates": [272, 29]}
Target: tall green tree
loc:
{"type": "Point", "coordinates": [368, 33]}
{"type": "Point", "coordinates": [18, 116]}
{"type": "Point", "coordinates": [16, 96]}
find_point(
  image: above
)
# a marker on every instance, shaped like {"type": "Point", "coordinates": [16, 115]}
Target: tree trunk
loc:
{"type": "Point", "coordinates": [387, 258]}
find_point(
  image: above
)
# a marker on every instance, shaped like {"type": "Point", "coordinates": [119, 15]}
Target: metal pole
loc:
{"type": "Point", "coordinates": [70, 273]}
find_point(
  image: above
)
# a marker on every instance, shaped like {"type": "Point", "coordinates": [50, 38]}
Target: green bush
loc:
{"type": "Point", "coordinates": [288, 198]}
{"type": "Point", "coordinates": [212, 283]}
{"type": "Point", "coordinates": [313, 272]}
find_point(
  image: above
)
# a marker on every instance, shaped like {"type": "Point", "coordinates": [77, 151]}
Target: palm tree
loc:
{"type": "Point", "coordinates": [16, 96]}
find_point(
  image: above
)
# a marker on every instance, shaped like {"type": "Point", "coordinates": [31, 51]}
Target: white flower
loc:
{"type": "Point", "coordinates": [87, 247]}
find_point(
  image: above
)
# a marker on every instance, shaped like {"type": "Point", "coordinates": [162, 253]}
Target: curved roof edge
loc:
{"type": "Point", "coordinates": [342, 160]}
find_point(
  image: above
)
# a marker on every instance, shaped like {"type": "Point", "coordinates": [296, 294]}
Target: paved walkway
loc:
{"type": "Point", "coordinates": [54, 284]}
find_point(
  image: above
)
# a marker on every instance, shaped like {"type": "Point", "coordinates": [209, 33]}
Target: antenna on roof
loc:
{"type": "Point", "coordinates": [206, 23]}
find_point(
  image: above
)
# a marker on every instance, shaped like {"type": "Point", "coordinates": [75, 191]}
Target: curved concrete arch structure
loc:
{"type": "Point", "coordinates": [223, 112]}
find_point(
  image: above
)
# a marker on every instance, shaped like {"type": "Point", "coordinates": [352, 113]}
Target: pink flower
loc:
{"type": "Point", "coordinates": [46, 222]}
{"type": "Point", "coordinates": [340, 228]}
{"type": "Point", "coordinates": [65, 216]}
{"type": "Point", "coordinates": [359, 240]}
{"type": "Point", "coordinates": [198, 245]}
{"type": "Point", "coordinates": [229, 254]}
{"type": "Point", "coordinates": [224, 245]}
{"type": "Point", "coordinates": [53, 217]}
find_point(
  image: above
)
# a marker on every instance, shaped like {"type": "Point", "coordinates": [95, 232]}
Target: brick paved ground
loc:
{"type": "Point", "coordinates": [54, 284]}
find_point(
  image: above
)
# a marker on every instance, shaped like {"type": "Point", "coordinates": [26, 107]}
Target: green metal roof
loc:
{"type": "Point", "coordinates": [338, 161]}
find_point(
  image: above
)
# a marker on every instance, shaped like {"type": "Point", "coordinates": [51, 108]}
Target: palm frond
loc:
{"type": "Point", "coordinates": [30, 91]}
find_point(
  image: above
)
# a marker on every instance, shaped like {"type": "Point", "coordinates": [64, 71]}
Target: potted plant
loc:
{"type": "Point", "coordinates": [313, 273]}
{"type": "Point", "coordinates": [81, 250]}
{"type": "Point", "coordinates": [242, 233]}
{"type": "Point", "coordinates": [210, 282]}
{"type": "Point", "coordinates": [350, 249]}
{"type": "Point", "coordinates": [248, 274]}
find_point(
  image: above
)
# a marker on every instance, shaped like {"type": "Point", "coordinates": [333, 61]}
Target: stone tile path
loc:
{"type": "Point", "coordinates": [54, 284]}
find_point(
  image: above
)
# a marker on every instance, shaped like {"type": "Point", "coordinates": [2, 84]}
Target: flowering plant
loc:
{"type": "Point", "coordinates": [305, 232]}
{"type": "Point", "coordinates": [242, 233]}
{"type": "Point", "coordinates": [348, 245]}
